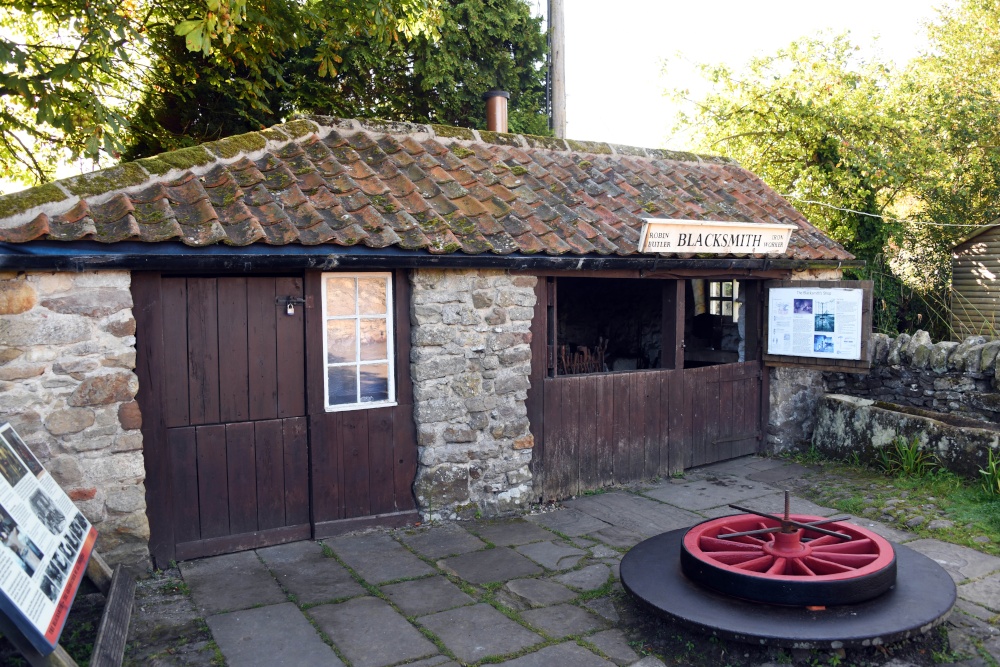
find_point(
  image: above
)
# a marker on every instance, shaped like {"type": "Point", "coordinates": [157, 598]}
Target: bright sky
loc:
{"type": "Point", "coordinates": [615, 50]}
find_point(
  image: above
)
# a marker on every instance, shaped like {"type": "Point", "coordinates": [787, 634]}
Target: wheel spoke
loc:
{"type": "Point", "coordinates": [734, 557]}
{"type": "Point", "coordinates": [757, 564]}
{"type": "Point", "coordinates": [710, 544]}
{"type": "Point", "coordinates": [779, 566]}
{"type": "Point", "coordinates": [862, 546]}
{"type": "Point", "coordinates": [821, 566]}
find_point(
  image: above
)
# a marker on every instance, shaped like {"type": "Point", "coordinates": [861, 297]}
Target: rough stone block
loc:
{"type": "Point", "coordinates": [69, 420]}
{"type": "Point", "coordinates": [105, 389]}
{"type": "Point", "coordinates": [90, 303]}
{"type": "Point", "coordinates": [16, 296]}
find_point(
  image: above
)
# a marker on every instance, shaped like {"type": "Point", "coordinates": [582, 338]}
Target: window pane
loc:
{"type": "Point", "coordinates": [343, 385]}
{"type": "Point", "coordinates": [727, 290]}
{"type": "Point", "coordinates": [339, 297]}
{"type": "Point", "coordinates": [373, 340]}
{"type": "Point", "coordinates": [374, 383]}
{"type": "Point", "coordinates": [713, 289]}
{"type": "Point", "coordinates": [341, 341]}
{"type": "Point", "coordinates": [727, 308]}
{"type": "Point", "coordinates": [713, 307]}
{"type": "Point", "coordinates": [371, 295]}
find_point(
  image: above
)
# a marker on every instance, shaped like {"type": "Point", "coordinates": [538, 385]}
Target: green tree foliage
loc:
{"type": "Point", "coordinates": [66, 68]}
{"type": "Point", "coordinates": [873, 146]}
{"type": "Point", "coordinates": [434, 77]}
{"type": "Point", "coordinates": [73, 69]}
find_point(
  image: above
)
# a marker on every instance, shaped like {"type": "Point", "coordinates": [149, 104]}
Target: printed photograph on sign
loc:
{"type": "Point", "coordinates": [47, 512]}
{"type": "Point", "coordinates": [825, 322]}
{"type": "Point", "coordinates": [823, 344]}
{"type": "Point", "coordinates": [11, 466]}
{"type": "Point", "coordinates": [26, 554]}
{"type": "Point", "coordinates": [803, 306]}
{"type": "Point", "coordinates": [13, 440]}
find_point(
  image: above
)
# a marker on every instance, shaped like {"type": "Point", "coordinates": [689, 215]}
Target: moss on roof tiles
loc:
{"type": "Point", "coordinates": [634, 151]}
{"type": "Point", "coordinates": [460, 151]}
{"type": "Point", "coordinates": [183, 158]}
{"type": "Point", "coordinates": [230, 147]}
{"type": "Point", "coordinates": [25, 200]}
{"type": "Point", "coordinates": [548, 143]}
{"type": "Point", "coordinates": [298, 128]}
{"type": "Point", "coordinates": [106, 180]}
{"type": "Point", "coordinates": [274, 134]}
{"type": "Point", "coordinates": [500, 138]}
{"type": "Point", "coordinates": [449, 132]}
{"type": "Point", "coordinates": [391, 126]}
{"type": "Point", "coordinates": [598, 147]}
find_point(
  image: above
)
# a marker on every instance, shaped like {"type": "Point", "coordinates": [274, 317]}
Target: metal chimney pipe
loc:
{"type": "Point", "coordinates": [496, 110]}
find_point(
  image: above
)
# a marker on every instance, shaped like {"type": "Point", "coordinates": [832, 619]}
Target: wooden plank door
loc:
{"type": "Point", "coordinates": [221, 366]}
{"type": "Point", "coordinates": [363, 462]}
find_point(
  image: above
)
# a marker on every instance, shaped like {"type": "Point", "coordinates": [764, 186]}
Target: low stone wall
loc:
{"type": "Point", "coordinates": [949, 377]}
{"type": "Point", "coordinates": [67, 352]}
{"type": "Point", "coordinates": [470, 363]}
{"type": "Point", "coordinates": [847, 426]}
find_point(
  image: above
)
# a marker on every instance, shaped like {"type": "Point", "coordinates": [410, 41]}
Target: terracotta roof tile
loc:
{"type": "Point", "coordinates": [405, 185]}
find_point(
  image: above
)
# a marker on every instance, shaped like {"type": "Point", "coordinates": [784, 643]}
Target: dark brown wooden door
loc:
{"type": "Point", "coordinates": [223, 394]}
{"type": "Point", "coordinates": [363, 462]}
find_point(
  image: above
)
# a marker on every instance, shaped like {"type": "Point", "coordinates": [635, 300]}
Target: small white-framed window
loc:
{"type": "Point", "coordinates": [358, 341]}
{"type": "Point", "coordinates": [723, 300]}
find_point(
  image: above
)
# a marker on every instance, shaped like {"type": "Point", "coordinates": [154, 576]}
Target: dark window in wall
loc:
{"type": "Point", "coordinates": [712, 328]}
{"type": "Point", "coordinates": [608, 324]}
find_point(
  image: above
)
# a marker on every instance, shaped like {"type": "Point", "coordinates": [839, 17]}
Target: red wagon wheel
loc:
{"type": "Point", "coordinates": [790, 560]}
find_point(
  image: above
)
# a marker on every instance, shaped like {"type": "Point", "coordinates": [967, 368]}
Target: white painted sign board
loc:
{"type": "Point", "coordinates": [715, 237]}
{"type": "Point", "coordinates": [45, 543]}
{"type": "Point", "coordinates": [815, 322]}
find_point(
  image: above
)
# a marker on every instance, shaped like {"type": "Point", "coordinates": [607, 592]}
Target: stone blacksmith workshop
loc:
{"type": "Point", "coordinates": [333, 324]}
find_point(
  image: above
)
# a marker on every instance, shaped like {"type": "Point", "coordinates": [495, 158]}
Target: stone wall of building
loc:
{"type": "Point", "coordinates": [955, 378]}
{"type": "Point", "coordinates": [470, 362]}
{"type": "Point", "coordinates": [67, 352]}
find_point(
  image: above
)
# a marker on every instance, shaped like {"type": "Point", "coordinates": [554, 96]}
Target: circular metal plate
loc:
{"type": "Point", "coordinates": [921, 599]}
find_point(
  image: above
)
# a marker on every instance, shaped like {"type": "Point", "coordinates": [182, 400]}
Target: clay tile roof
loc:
{"type": "Point", "coordinates": [417, 187]}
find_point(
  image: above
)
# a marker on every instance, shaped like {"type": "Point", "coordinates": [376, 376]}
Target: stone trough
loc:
{"type": "Point", "coordinates": [846, 425]}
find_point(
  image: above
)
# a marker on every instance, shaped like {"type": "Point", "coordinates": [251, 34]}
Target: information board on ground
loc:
{"type": "Point", "coordinates": [45, 543]}
{"type": "Point", "coordinates": [815, 322]}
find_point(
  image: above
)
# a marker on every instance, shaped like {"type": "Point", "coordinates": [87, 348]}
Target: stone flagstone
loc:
{"type": "Point", "coordinates": [426, 596]}
{"type": "Point", "coordinates": [638, 515]}
{"type": "Point", "coordinates": [985, 592]}
{"type": "Point", "coordinates": [303, 570]}
{"type": "Point", "coordinates": [710, 492]}
{"type": "Point", "coordinates": [613, 644]}
{"type": "Point", "coordinates": [551, 555]}
{"type": "Point", "coordinates": [480, 567]}
{"type": "Point", "coordinates": [773, 503]}
{"type": "Point", "coordinates": [563, 620]}
{"type": "Point", "coordinates": [370, 633]}
{"type": "Point", "coordinates": [960, 562]}
{"type": "Point", "coordinates": [473, 633]}
{"type": "Point", "coordinates": [571, 522]}
{"type": "Point", "coordinates": [511, 533]}
{"type": "Point", "coordinates": [230, 582]}
{"type": "Point", "coordinates": [279, 632]}
{"type": "Point", "coordinates": [567, 654]}
{"type": "Point", "coordinates": [441, 540]}
{"type": "Point", "coordinates": [588, 578]}
{"type": "Point", "coordinates": [539, 592]}
{"type": "Point", "coordinates": [376, 557]}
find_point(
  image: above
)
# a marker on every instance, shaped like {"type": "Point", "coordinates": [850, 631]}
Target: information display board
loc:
{"type": "Point", "coordinates": [45, 543]}
{"type": "Point", "coordinates": [815, 322]}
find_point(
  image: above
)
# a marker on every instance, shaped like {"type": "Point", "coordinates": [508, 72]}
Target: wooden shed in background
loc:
{"type": "Point", "coordinates": [975, 295]}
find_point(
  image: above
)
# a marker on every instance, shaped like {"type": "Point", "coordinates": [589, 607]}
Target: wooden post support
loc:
{"type": "Point", "coordinates": [118, 588]}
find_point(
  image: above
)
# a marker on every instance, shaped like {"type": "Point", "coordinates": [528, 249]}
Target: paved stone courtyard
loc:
{"type": "Point", "coordinates": [540, 590]}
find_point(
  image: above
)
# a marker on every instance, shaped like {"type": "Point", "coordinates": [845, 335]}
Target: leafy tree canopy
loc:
{"type": "Point", "coordinates": [859, 146]}
{"type": "Point", "coordinates": [437, 76]}
{"type": "Point", "coordinates": [72, 70]}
